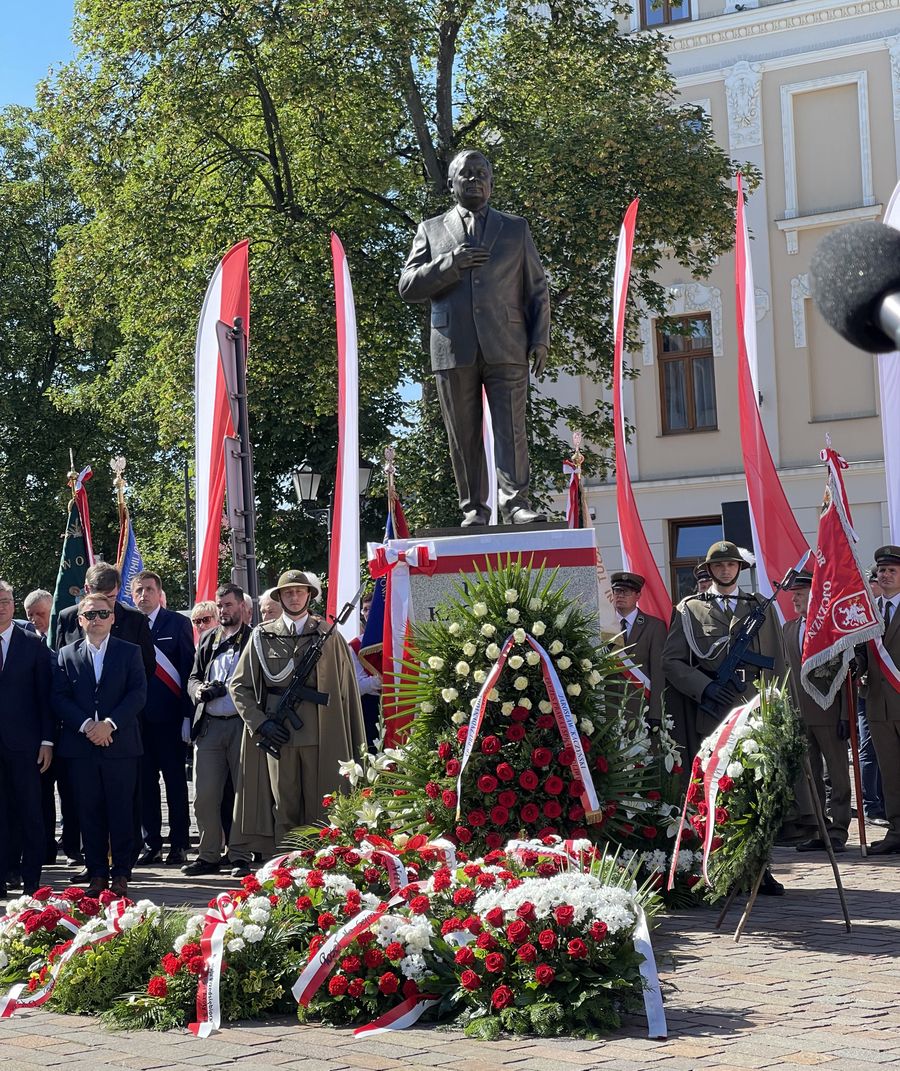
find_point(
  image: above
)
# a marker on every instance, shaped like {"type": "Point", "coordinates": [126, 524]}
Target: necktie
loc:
{"type": "Point", "coordinates": [726, 605]}
{"type": "Point", "coordinates": [473, 227]}
{"type": "Point", "coordinates": [624, 624]}
{"type": "Point", "coordinates": [1, 655]}
{"type": "Point", "coordinates": [888, 610]}
{"type": "Point", "coordinates": [293, 628]}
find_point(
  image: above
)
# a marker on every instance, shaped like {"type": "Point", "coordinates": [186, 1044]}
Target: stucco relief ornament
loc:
{"type": "Point", "coordinates": [742, 93]}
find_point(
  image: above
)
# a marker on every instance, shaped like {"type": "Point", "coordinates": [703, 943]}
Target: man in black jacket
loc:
{"type": "Point", "coordinates": [217, 732]}
{"type": "Point", "coordinates": [26, 736]}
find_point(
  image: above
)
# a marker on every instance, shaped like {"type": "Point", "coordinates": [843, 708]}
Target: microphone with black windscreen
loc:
{"type": "Point", "coordinates": [855, 276]}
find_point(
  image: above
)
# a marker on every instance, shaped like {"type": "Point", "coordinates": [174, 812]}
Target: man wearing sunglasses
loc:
{"type": "Point", "coordinates": [99, 690]}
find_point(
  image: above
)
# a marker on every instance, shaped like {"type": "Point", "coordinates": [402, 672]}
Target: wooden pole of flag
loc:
{"type": "Point", "coordinates": [854, 755]}
{"type": "Point", "coordinates": [823, 833]}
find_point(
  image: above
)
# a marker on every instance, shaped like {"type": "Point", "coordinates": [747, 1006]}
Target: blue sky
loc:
{"type": "Point", "coordinates": [37, 36]}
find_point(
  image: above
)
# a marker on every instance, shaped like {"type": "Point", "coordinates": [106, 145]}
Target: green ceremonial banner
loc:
{"type": "Point", "coordinates": [72, 567]}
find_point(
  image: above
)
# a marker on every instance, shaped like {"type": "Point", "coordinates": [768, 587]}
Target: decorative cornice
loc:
{"type": "Point", "coordinates": [761, 22]}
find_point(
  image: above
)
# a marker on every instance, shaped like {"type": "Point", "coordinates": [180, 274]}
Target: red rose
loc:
{"type": "Point", "coordinates": [527, 953]}
{"type": "Point", "coordinates": [371, 874]}
{"type": "Point", "coordinates": [170, 963]}
{"type": "Point", "coordinates": [373, 958]}
{"type": "Point", "coordinates": [541, 756]}
{"type": "Point", "coordinates": [721, 816]}
{"type": "Point", "coordinates": [158, 986]}
{"type": "Point", "coordinates": [388, 983]}
{"type": "Point", "coordinates": [599, 930]}
{"type": "Point", "coordinates": [715, 844]}
{"type": "Point", "coordinates": [726, 784]}
{"type": "Point", "coordinates": [461, 733]}
{"type": "Point", "coordinates": [526, 911]}
{"type": "Point", "coordinates": [395, 951]}
{"type": "Point", "coordinates": [545, 721]}
{"type": "Point", "coordinates": [529, 780]}
{"type": "Point", "coordinates": [507, 798]}
{"type": "Point", "coordinates": [601, 764]}
{"type": "Point", "coordinates": [653, 794]}
{"type": "Point", "coordinates": [505, 772]}
{"type": "Point", "coordinates": [470, 980]}
{"type": "Point", "coordinates": [515, 733]}
{"type": "Point", "coordinates": [517, 931]}
{"type": "Point", "coordinates": [552, 809]}
{"type": "Point", "coordinates": [337, 985]}
{"type": "Point", "coordinates": [564, 914]}
{"type": "Point", "coordinates": [494, 916]}
{"type": "Point", "coordinates": [315, 879]}
{"type": "Point", "coordinates": [473, 924]}
{"type": "Point", "coordinates": [453, 768]}
{"type": "Point", "coordinates": [547, 939]}
{"type": "Point", "coordinates": [502, 997]}
{"type": "Point", "coordinates": [576, 787]}
{"type": "Point", "coordinates": [463, 835]}
{"type": "Point", "coordinates": [694, 793]}
{"type": "Point", "coordinates": [444, 750]}
{"type": "Point", "coordinates": [544, 974]}
{"type": "Point", "coordinates": [419, 905]}
{"type": "Point", "coordinates": [451, 924]}
{"type": "Point", "coordinates": [44, 893]}
{"type": "Point", "coordinates": [432, 790]}
{"type": "Point", "coordinates": [463, 896]}
{"type": "Point", "coordinates": [89, 906]}
{"type": "Point", "coordinates": [487, 783]}
{"type": "Point", "coordinates": [74, 894]}
{"type": "Point", "coordinates": [627, 828]}
{"type": "Point", "coordinates": [476, 818]}
{"type": "Point", "coordinates": [490, 745]}
{"type": "Point", "coordinates": [554, 785]}
{"type": "Point", "coordinates": [499, 815]}
{"type": "Point", "coordinates": [493, 840]}
{"type": "Point", "coordinates": [494, 962]}
{"type": "Point", "coordinates": [702, 809]}
{"type": "Point", "coordinates": [530, 813]}
{"type": "Point", "coordinates": [356, 988]}
{"type": "Point", "coordinates": [577, 949]}
{"type": "Point", "coordinates": [464, 957]}
{"type": "Point", "coordinates": [649, 832]}
{"type": "Point", "coordinates": [519, 714]}
{"type": "Point", "coordinates": [448, 798]}
{"type": "Point", "coordinates": [566, 757]}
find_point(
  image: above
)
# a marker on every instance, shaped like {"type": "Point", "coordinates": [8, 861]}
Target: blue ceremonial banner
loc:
{"type": "Point", "coordinates": [130, 562]}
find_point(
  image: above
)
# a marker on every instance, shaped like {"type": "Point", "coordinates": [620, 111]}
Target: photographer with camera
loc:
{"type": "Point", "coordinates": [217, 731]}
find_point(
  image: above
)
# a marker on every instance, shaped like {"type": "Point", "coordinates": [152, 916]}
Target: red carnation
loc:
{"type": "Point", "coordinates": [325, 920]}
{"type": "Point", "coordinates": [419, 905]}
{"type": "Point", "coordinates": [315, 879]}
{"type": "Point", "coordinates": [432, 790]}
{"type": "Point", "coordinates": [170, 963]}
{"type": "Point", "coordinates": [545, 721]}
{"type": "Point", "coordinates": [188, 951]}
{"type": "Point", "coordinates": [554, 785]}
{"type": "Point", "coordinates": [87, 905]}
{"type": "Point", "coordinates": [546, 870]}
{"type": "Point", "coordinates": [601, 764]}
{"type": "Point", "coordinates": [486, 880]}
{"type": "Point", "coordinates": [283, 881]}
{"type": "Point", "coordinates": [576, 812]}
{"type": "Point", "coordinates": [494, 962]}
{"type": "Point", "coordinates": [473, 924]}
{"type": "Point", "coordinates": [544, 974]}
{"type": "Point", "coordinates": [303, 903]}
{"type": "Point", "coordinates": [464, 957]}
{"type": "Point", "coordinates": [564, 914]}
{"type": "Point", "coordinates": [541, 756]}
{"type": "Point", "coordinates": [158, 986]}
{"type": "Point", "coordinates": [195, 964]}
{"type": "Point", "coordinates": [487, 783]}
{"type": "Point", "coordinates": [507, 798]}
{"type": "Point", "coordinates": [493, 840]}
{"type": "Point", "coordinates": [448, 798]}
{"type": "Point", "coordinates": [527, 953]}
{"type": "Point", "coordinates": [351, 964]}
{"type": "Point", "coordinates": [463, 835]}
{"type": "Point", "coordinates": [547, 939]}
{"type": "Point", "coordinates": [490, 745]}
{"type": "Point", "coordinates": [526, 911]}
{"type": "Point", "coordinates": [373, 957]}
{"type": "Point", "coordinates": [470, 980]}
{"type": "Point", "coordinates": [388, 983]}
{"type": "Point", "coordinates": [463, 896]}
{"type": "Point", "coordinates": [530, 813]}
{"type": "Point", "coordinates": [529, 780]}
{"type": "Point", "coordinates": [441, 879]}
{"type": "Point", "coordinates": [356, 988]}
{"type": "Point", "coordinates": [395, 951]}
{"type": "Point", "coordinates": [499, 815]}
{"type": "Point", "coordinates": [338, 985]}
{"type": "Point", "coordinates": [250, 883]}
{"type": "Point", "coordinates": [577, 949]}
{"type": "Point", "coordinates": [599, 930]}
{"type": "Point", "coordinates": [517, 931]}
{"type": "Point", "coordinates": [515, 733]}
{"type": "Point", "coordinates": [444, 750]}
{"type": "Point", "coordinates": [453, 767]}
{"type": "Point", "coordinates": [73, 893]}
{"type": "Point", "coordinates": [502, 997]}
{"type": "Point", "coordinates": [552, 809]}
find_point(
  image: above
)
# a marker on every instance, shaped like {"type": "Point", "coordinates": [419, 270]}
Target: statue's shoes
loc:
{"type": "Point", "coordinates": [472, 520]}
{"type": "Point", "coordinates": [524, 515]}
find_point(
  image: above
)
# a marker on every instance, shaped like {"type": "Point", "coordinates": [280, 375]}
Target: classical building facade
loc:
{"type": "Point", "coordinates": [809, 92]}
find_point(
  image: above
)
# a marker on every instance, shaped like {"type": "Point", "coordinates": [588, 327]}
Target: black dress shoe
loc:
{"type": "Point", "coordinates": [29, 890]}
{"type": "Point", "coordinates": [524, 515]}
{"type": "Point", "coordinates": [75, 860]}
{"type": "Point", "coordinates": [815, 844]}
{"type": "Point", "coordinates": [241, 870]}
{"type": "Point", "coordinates": [3, 892]}
{"type": "Point", "coordinates": [81, 877]}
{"type": "Point", "coordinates": [769, 886]}
{"type": "Point", "coordinates": [149, 857]}
{"type": "Point", "coordinates": [888, 846]}
{"type": "Point", "coordinates": [200, 866]}
{"type": "Point", "coordinates": [176, 857]}
{"type": "Point", "coordinates": [13, 880]}
{"type": "Point", "coordinates": [837, 846]}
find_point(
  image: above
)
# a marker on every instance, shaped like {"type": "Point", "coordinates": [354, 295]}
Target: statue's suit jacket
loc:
{"type": "Point", "coordinates": [503, 306]}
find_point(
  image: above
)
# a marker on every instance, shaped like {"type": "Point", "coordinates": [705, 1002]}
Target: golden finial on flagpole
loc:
{"type": "Point", "coordinates": [118, 466]}
{"type": "Point", "coordinates": [390, 471]}
{"type": "Point", "coordinates": [577, 455]}
{"type": "Point", "coordinates": [72, 474]}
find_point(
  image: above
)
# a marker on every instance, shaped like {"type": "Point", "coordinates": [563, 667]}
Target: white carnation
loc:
{"type": "Point", "coordinates": [253, 934]}
{"type": "Point", "coordinates": [235, 944]}
{"type": "Point", "coordinates": [750, 746]}
{"type": "Point", "coordinates": [734, 770]}
{"type": "Point", "coordinates": [413, 966]}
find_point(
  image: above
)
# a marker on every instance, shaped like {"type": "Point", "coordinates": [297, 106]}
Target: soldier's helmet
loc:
{"type": "Point", "coordinates": [724, 551]}
{"type": "Point", "coordinates": [297, 578]}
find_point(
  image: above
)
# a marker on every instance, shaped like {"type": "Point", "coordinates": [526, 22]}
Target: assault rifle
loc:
{"type": "Point", "coordinates": [273, 738]}
{"type": "Point", "coordinates": [729, 680]}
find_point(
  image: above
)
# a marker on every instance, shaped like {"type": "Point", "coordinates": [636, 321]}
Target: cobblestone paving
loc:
{"type": "Point", "coordinates": [796, 992]}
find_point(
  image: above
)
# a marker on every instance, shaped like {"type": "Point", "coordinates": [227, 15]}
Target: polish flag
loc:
{"type": "Point", "coordinates": [227, 296]}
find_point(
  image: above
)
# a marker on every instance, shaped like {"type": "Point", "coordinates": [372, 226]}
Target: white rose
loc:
{"type": "Point", "coordinates": [538, 628]}
{"type": "Point", "coordinates": [493, 695]}
{"type": "Point", "coordinates": [235, 944]}
{"type": "Point", "coordinates": [519, 635]}
{"type": "Point", "coordinates": [458, 717]}
{"type": "Point", "coordinates": [564, 662]}
{"type": "Point", "coordinates": [586, 726]}
{"type": "Point", "coordinates": [492, 651]}
{"type": "Point", "coordinates": [507, 709]}
{"type": "Point", "coordinates": [573, 689]}
{"type": "Point", "coordinates": [480, 609]}
{"type": "Point", "coordinates": [526, 703]}
{"type": "Point", "coordinates": [479, 676]}
{"type": "Point", "coordinates": [520, 684]}
{"type": "Point", "coordinates": [535, 604]}
{"type": "Point", "coordinates": [488, 630]}
{"type": "Point", "coordinates": [545, 706]}
{"type": "Point", "coordinates": [516, 662]}
{"type": "Point", "coordinates": [449, 694]}
{"type": "Point", "coordinates": [469, 649]}
{"type": "Point", "coordinates": [436, 662]}
{"type": "Point", "coordinates": [462, 669]}
{"type": "Point", "coordinates": [426, 708]}
{"type": "Point", "coordinates": [586, 664]}
{"type": "Point", "coordinates": [532, 658]}
{"type": "Point", "coordinates": [454, 628]}
{"type": "Point", "coordinates": [561, 619]}
{"type": "Point", "coordinates": [511, 595]}
{"type": "Point", "coordinates": [594, 677]}
{"type": "Point", "coordinates": [556, 647]}
{"type": "Point", "coordinates": [512, 615]}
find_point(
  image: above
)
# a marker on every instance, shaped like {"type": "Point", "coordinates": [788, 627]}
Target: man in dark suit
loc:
{"type": "Point", "coordinates": [643, 637]}
{"type": "Point", "coordinates": [490, 315]}
{"type": "Point", "coordinates": [99, 690]}
{"type": "Point", "coordinates": [26, 736]}
{"type": "Point", "coordinates": [167, 723]}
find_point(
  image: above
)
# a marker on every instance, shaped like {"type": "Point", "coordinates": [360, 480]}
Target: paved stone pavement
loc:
{"type": "Point", "coordinates": [796, 992]}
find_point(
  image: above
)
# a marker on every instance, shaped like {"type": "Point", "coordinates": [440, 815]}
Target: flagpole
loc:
{"type": "Point", "coordinates": [188, 525]}
{"type": "Point", "coordinates": [854, 756]}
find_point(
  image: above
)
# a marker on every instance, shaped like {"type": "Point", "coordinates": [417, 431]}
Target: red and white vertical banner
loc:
{"type": "Point", "coordinates": [573, 495]}
{"type": "Point", "coordinates": [636, 554]}
{"type": "Point", "coordinates": [487, 436]}
{"type": "Point", "coordinates": [889, 387]}
{"type": "Point", "coordinates": [227, 296]}
{"type": "Point", "coordinates": [343, 554]}
{"type": "Point", "coordinates": [777, 540]}
{"type": "Point", "coordinates": [81, 501]}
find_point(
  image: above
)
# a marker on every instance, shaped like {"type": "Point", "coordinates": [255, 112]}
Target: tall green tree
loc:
{"type": "Point", "coordinates": [187, 125]}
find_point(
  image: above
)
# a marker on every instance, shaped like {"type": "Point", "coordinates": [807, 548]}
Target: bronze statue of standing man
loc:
{"type": "Point", "coordinates": [490, 316]}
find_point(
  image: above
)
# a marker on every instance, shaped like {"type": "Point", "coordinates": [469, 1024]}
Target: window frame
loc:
{"type": "Point", "coordinates": [666, 6]}
{"type": "Point", "coordinates": [676, 563]}
{"type": "Point", "coordinates": [688, 356]}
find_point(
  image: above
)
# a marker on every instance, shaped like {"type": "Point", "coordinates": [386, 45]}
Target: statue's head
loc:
{"type": "Point", "coordinates": [471, 178]}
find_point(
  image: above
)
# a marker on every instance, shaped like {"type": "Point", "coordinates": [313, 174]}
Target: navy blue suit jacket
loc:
{"type": "Point", "coordinates": [120, 696]}
{"type": "Point", "coordinates": [173, 637]}
{"type": "Point", "coordinates": [129, 625]}
{"type": "Point", "coordinates": [26, 717]}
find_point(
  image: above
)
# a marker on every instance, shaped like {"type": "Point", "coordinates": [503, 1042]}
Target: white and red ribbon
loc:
{"type": "Point", "coordinates": [212, 948]}
{"type": "Point", "coordinates": [406, 1014]}
{"type": "Point", "coordinates": [393, 865]}
{"type": "Point", "coordinates": [886, 663]}
{"type": "Point", "coordinates": [635, 674]}
{"type": "Point", "coordinates": [166, 672]}
{"type": "Point", "coordinates": [573, 498]}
